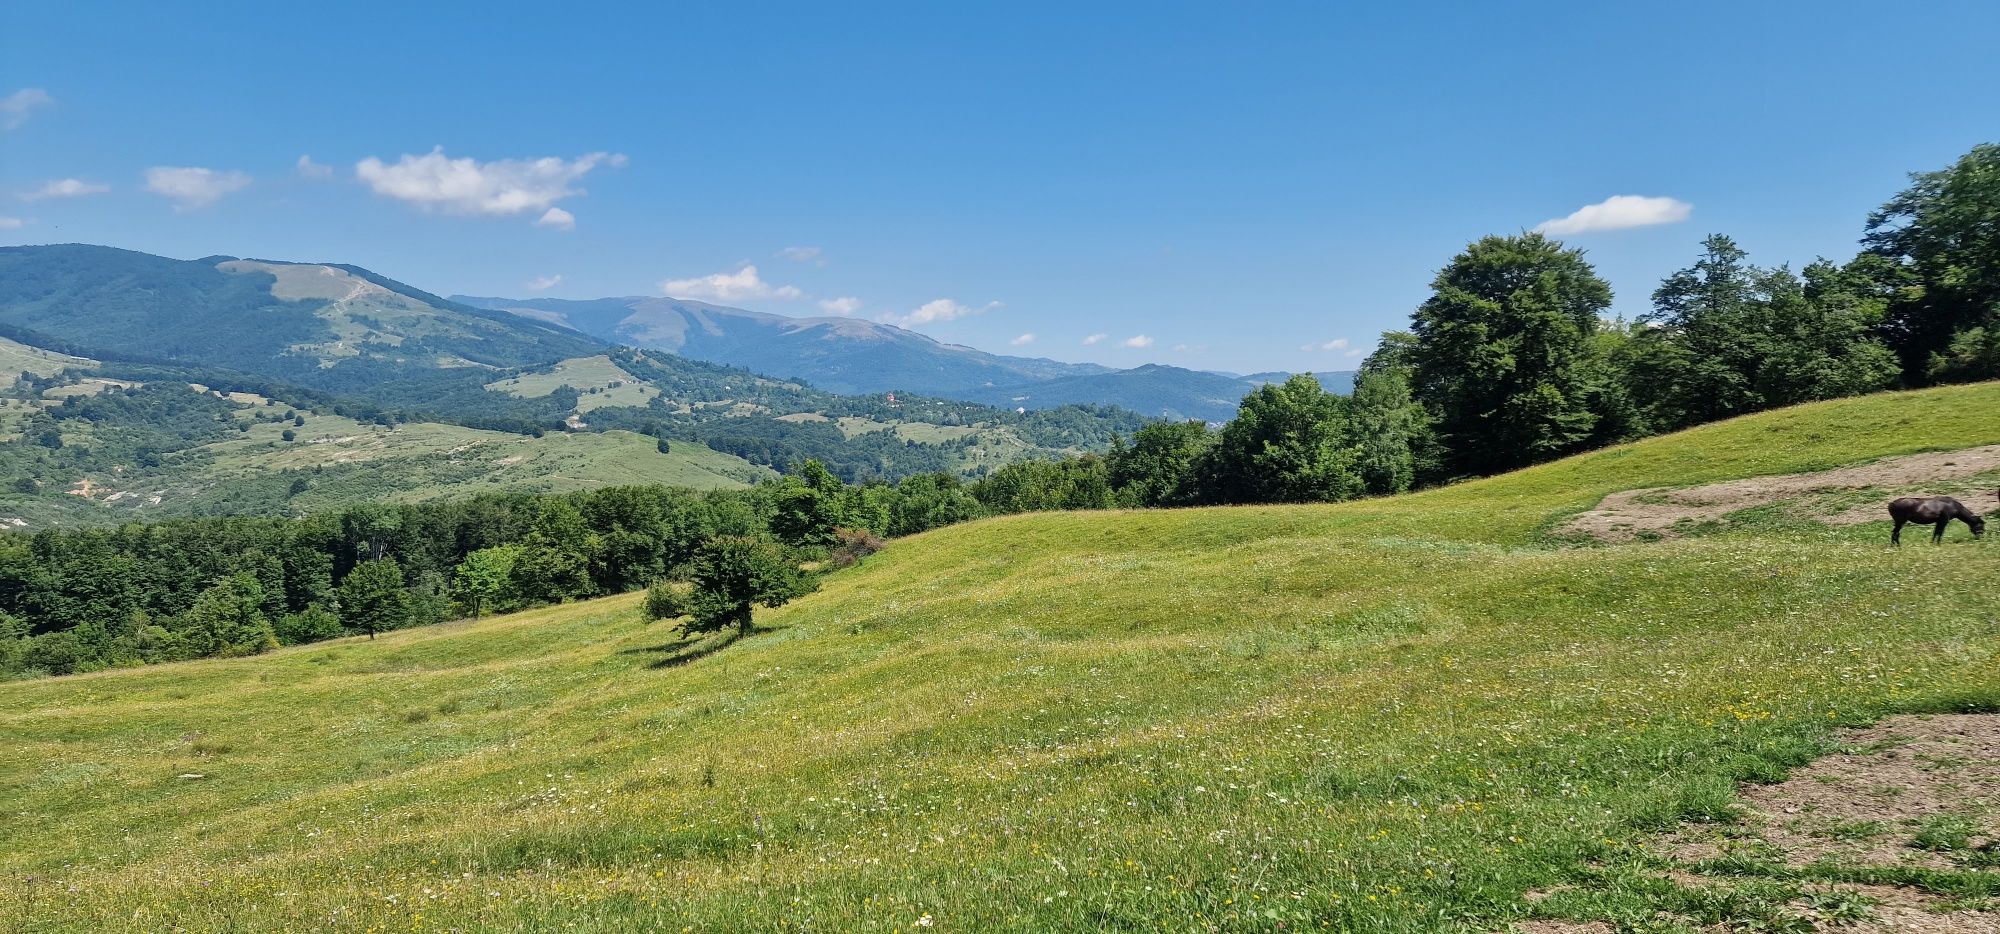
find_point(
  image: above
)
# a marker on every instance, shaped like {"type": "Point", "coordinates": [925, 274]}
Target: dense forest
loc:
{"type": "Point", "coordinates": [189, 588]}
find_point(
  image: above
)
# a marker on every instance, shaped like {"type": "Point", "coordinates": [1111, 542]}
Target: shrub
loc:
{"type": "Point", "coordinates": [852, 545]}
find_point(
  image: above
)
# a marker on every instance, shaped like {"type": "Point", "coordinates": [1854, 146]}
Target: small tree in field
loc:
{"type": "Point", "coordinates": [372, 597]}
{"type": "Point", "coordinates": [730, 576]}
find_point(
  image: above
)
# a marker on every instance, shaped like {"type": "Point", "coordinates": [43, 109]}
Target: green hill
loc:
{"type": "Point", "coordinates": [1401, 714]}
{"type": "Point", "coordinates": [232, 457]}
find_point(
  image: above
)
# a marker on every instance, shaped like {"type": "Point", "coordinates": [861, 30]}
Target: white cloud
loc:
{"type": "Point", "coordinates": [1138, 341]}
{"type": "Point", "coordinates": [727, 287]}
{"type": "Point", "coordinates": [15, 107]}
{"type": "Point", "coordinates": [1022, 341]}
{"type": "Point", "coordinates": [64, 188]}
{"type": "Point", "coordinates": [803, 254]}
{"type": "Point", "coordinates": [1190, 348]}
{"type": "Point", "coordinates": [13, 223]}
{"type": "Point", "coordinates": [942, 309]}
{"type": "Point", "coordinates": [311, 169]}
{"type": "Point", "coordinates": [843, 306]}
{"type": "Point", "coordinates": [190, 187]}
{"type": "Point", "coordinates": [1094, 338]}
{"type": "Point", "coordinates": [434, 181]}
{"type": "Point", "coordinates": [557, 218]}
{"type": "Point", "coordinates": [1618, 212]}
{"type": "Point", "coordinates": [1355, 352]}
{"type": "Point", "coordinates": [544, 283]}
{"type": "Point", "coordinates": [1335, 344]}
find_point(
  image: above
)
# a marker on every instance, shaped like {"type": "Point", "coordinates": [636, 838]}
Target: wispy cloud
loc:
{"type": "Point", "coordinates": [436, 182]}
{"type": "Point", "coordinates": [1190, 348]}
{"type": "Point", "coordinates": [843, 306]}
{"type": "Point", "coordinates": [1339, 343]}
{"type": "Point", "coordinates": [941, 309]}
{"type": "Point", "coordinates": [544, 283]}
{"type": "Point", "coordinates": [557, 218]}
{"type": "Point", "coordinates": [1022, 341]}
{"type": "Point", "coordinates": [190, 187]}
{"type": "Point", "coordinates": [803, 254]}
{"type": "Point", "coordinates": [1138, 341]}
{"type": "Point", "coordinates": [727, 287]}
{"type": "Point", "coordinates": [64, 188]}
{"type": "Point", "coordinates": [1618, 212]}
{"type": "Point", "coordinates": [13, 223]}
{"type": "Point", "coordinates": [310, 169]}
{"type": "Point", "coordinates": [15, 107]}
{"type": "Point", "coordinates": [1094, 339]}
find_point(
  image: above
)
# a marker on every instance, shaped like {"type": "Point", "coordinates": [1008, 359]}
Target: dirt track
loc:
{"type": "Point", "coordinates": [1627, 516]}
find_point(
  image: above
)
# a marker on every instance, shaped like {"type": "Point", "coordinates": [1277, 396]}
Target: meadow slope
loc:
{"type": "Point", "coordinates": [1389, 715]}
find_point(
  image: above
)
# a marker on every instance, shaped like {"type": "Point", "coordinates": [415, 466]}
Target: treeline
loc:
{"type": "Point", "coordinates": [1511, 362]}
{"type": "Point", "coordinates": [84, 600]}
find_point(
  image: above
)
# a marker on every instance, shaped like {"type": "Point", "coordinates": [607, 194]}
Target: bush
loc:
{"type": "Point", "coordinates": [666, 599]}
{"type": "Point", "coordinates": [852, 545]}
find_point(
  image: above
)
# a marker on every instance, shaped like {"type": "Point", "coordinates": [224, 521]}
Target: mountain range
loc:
{"type": "Point", "coordinates": [851, 355]}
{"type": "Point", "coordinates": [139, 384]}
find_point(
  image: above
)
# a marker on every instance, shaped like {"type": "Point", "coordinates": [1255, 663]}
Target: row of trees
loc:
{"type": "Point", "coordinates": [82, 600]}
{"type": "Point", "coordinates": [1511, 362]}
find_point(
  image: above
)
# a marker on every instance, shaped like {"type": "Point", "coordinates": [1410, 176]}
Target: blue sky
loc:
{"type": "Point", "coordinates": [1233, 182]}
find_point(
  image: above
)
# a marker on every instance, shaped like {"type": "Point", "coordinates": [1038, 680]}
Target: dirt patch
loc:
{"type": "Point", "coordinates": [1661, 512]}
{"type": "Point", "coordinates": [1905, 910]}
{"type": "Point", "coordinates": [1562, 927]}
{"type": "Point", "coordinates": [1908, 792]}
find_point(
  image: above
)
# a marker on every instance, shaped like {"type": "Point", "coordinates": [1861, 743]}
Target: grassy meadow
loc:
{"type": "Point", "coordinates": [1389, 715]}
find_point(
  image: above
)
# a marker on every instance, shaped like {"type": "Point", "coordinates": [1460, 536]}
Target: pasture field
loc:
{"type": "Point", "coordinates": [1408, 714]}
{"type": "Point", "coordinates": [604, 384]}
{"type": "Point", "coordinates": [17, 358]}
{"type": "Point", "coordinates": [341, 462]}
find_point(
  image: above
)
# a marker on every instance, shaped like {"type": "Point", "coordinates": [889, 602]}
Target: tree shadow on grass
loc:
{"type": "Point", "coordinates": [694, 647]}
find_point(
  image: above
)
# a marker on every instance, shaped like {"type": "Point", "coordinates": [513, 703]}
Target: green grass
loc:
{"type": "Point", "coordinates": [1390, 715]}
{"type": "Point", "coordinates": [17, 358]}
{"type": "Point", "coordinates": [614, 386]}
{"type": "Point", "coordinates": [345, 462]}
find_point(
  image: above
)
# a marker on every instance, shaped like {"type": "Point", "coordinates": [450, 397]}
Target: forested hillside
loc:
{"type": "Point", "coordinates": [104, 337]}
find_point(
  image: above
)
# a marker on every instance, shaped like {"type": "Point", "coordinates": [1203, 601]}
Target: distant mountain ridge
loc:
{"type": "Point", "coordinates": [845, 355]}
{"type": "Point", "coordinates": [850, 355]}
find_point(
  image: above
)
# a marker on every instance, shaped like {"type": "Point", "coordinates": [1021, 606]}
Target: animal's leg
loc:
{"type": "Point", "coordinates": [1938, 535]}
{"type": "Point", "coordinates": [1896, 536]}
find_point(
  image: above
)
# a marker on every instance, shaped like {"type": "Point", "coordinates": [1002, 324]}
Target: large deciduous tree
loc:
{"type": "Point", "coordinates": [1940, 240]}
{"type": "Point", "coordinates": [1289, 443]}
{"type": "Point", "coordinates": [1504, 356]}
{"type": "Point", "coordinates": [730, 575]}
{"type": "Point", "coordinates": [372, 598]}
{"type": "Point", "coordinates": [1726, 338]}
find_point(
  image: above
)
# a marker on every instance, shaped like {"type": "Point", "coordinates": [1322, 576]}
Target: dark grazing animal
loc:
{"type": "Point", "coordinates": [1932, 510]}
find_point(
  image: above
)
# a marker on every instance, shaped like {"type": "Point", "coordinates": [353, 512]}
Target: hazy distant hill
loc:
{"type": "Point", "coordinates": [853, 356]}
{"type": "Point", "coordinates": [323, 326]}
{"type": "Point", "coordinates": [1340, 381]}
{"type": "Point", "coordinates": [846, 355]}
{"type": "Point", "coordinates": [342, 340]}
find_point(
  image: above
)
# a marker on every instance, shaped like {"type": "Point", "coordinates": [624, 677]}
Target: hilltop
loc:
{"type": "Point", "coordinates": [1415, 713]}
